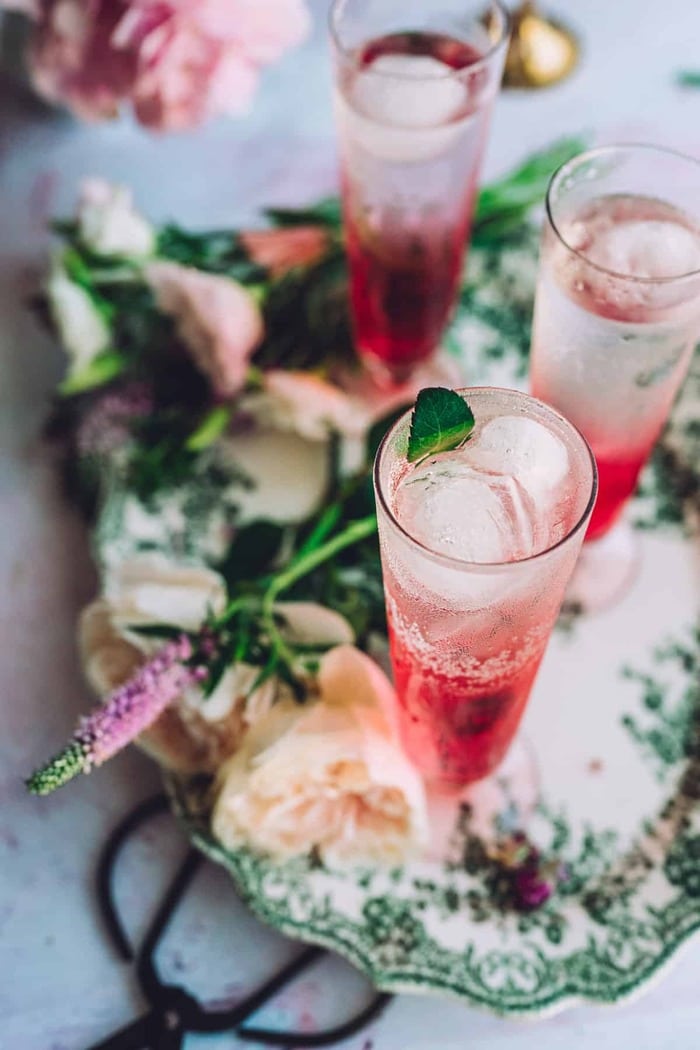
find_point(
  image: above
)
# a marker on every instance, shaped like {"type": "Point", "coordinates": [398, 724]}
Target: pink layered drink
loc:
{"type": "Point", "coordinates": [413, 110]}
{"type": "Point", "coordinates": [617, 317]}
{"type": "Point", "coordinates": [477, 548]}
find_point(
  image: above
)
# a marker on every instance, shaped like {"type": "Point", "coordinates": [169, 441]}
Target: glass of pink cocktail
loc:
{"type": "Point", "coordinates": [617, 317]}
{"type": "Point", "coordinates": [415, 84]}
{"type": "Point", "coordinates": [477, 545]}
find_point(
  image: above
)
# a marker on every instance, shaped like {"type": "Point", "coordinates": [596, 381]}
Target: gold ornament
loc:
{"type": "Point", "coordinates": [541, 50]}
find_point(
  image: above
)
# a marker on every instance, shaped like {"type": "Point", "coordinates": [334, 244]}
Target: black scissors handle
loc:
{"type": "Point", "coordinates": [139, 1036]}
{"type": "Point", "coordinates": [174, 1012]}
{"type": "Point", "coordinates": [133, 1037]}
{"type": "Point", "coordinates": [162, 1028]}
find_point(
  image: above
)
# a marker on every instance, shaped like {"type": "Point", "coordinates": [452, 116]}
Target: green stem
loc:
{"type": "Point", "coordinates": [124, 274]}
{"type": "Point", "coordinates": [354, 533]}
{"type": "Point", "coordinates": [211, 427]}
{"type": "Point", "coordinates": [232, 608]}
{"type": "Point", "coordinates": [279, 644]}
{"type": "Point", "coordinates": [259, 292]}
{"type": "Point", "coordinates": [325, 524]}
{"type": "Point", "coordinates": [255, 377]}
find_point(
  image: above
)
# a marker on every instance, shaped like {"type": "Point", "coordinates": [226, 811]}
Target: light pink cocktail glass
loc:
{"type": "Point", "coordinates": [415, 84]}
{"type": "Point", "coordinates": [617, 312]}
{"type": "Point", "coordinates": [477, 548]}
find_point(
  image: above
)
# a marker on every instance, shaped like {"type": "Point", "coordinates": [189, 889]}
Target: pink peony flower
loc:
{"type": "Point", "coordinates": [73, 60]}
{"type": "Point", "coordinates": [25, 7]}
{"type": "Point", "coordinates": [218, 320]}
{"type": "Point", "coordinates": [281, 250]}
{"type": "Point", "coordinates": [197, 58]}
{"type": "Point", "coordinates": [177, 61]}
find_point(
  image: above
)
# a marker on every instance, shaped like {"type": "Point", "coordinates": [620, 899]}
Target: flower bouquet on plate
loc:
{"type": "Point", "coordinates": [238, 607]}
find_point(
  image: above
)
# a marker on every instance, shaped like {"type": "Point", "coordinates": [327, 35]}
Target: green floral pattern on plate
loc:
{"type": "Point", "coordinates": [614, 723]}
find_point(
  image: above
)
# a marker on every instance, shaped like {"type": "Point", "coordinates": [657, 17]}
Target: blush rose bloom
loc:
{"type": "Point", "coordinates": [280, 251]}
{"type": "Point", "coordinates": [307, 405]}
{"type": "Point", "coordinates": [216, 318]}
{"type": "Point", "coordinates": [177, 61]}
{"type": "Point", "coordinates": [326, 775]}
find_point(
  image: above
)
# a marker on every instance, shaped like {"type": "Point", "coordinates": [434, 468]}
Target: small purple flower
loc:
{"type": "Point", "coordinates": [128, 712]}
{"type": "Point", "coordinates": [107, 424]}
{"type": "Point", "coordinates": [531, 889]}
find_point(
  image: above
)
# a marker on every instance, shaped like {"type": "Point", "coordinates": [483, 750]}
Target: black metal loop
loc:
{"type": "Point", "coordinates": [174, 1011]}
{"type": "Point", "coordinates": [106, 864]}
{"type": "Point", "coordinates": [151, 984]}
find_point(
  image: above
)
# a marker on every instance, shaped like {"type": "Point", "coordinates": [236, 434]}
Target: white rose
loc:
{"type": "Point", "coordinates": [152, 589]}
{"type": "Point", "coordinates": [108, 222]}
{"type": "Point", "coordinates": [82, 329]}
{"type": "Point", "coordinates": [195, 734]}
{"type": "Point", "coordinates": [328, 775]}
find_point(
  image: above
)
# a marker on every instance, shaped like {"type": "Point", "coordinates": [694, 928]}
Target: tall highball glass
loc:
{"type": "Point", "coordinates": [617, 317]}
{"type": "Point", "coordinates": [415, 85]}
{"type": "Point", "coordinates": [477, 548]}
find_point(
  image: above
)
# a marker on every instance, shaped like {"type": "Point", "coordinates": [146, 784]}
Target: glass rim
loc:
{"type": "Point", "coordinates": [451, 73]}
{"type": "Point", "coordinates": [462, 564]}
{"type": "Point", "coordinates": [564, 169]}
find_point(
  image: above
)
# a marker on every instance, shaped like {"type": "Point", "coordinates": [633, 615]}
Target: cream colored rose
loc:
{"type": "Point", "coordinates": [82, 330]}
{"type": "Point", "coordinates": [108, 222]}
{"type": "Point", "coordinates": [195, 734]}
{"type": "Point", "coordinates": [327, 775]}
{"type": "Point", "coordinates": [308, 405]}
{"type": "Point", "coordinates": [314, 408]}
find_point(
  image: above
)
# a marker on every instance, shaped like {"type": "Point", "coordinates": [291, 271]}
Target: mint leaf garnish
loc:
{"type": "Point", "coordinates": [441, 421]}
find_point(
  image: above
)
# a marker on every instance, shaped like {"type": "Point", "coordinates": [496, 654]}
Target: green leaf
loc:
{"type": "Point", "coordinates": [156, 630]}
{"type": "Point", "coordinates": [77, 269]}
{"type": "Point", "coordinates": [688, 78]}
{"type": "Point", "coordinates": [252, 552]}
{"type": "Point", "coordinates": [506, 201]}
{"type": "Point", "coordinates": [211, 427]}
{"type": "Point", "coordinates": [101, 370]}
{"type": "Point", "coordinates": [217, 669]}
{"type": "Point", "coordinates": [215, 251]}
{"type": "Point", "coordinates": [442, 420]}
{"type": "Point", "coordinates": [326, 213]}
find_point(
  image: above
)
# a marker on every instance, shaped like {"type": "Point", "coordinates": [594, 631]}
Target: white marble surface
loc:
{"type": "Point", "coordinates": [60, 986]}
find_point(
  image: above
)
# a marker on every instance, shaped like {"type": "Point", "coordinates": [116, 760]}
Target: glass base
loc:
{"type": "Point", "coordinates": [501, 803]}
{"type": "Point", "coordinates": [388, 376]}
{"type": "Point", "coordinates": [605, 571]}
{"type": "Point", "coordinates": [381, 394]}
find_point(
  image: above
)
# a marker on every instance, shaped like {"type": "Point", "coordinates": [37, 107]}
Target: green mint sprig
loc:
{"type": "Point", "coordinates": [441, 421]}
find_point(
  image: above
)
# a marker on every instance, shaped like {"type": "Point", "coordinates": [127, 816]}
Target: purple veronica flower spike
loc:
{"type": "Point", "coordinates": [107, 425]}
{"type": "Point", "coordinates": [128, 711]}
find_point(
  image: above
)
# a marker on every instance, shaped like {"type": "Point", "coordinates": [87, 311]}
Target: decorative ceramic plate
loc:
{"type": "Point", "coordinates": [605, 778]}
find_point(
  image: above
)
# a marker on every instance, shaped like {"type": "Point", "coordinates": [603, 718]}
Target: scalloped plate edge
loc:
{"type": "Point", "coordinates": [401, 985]}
